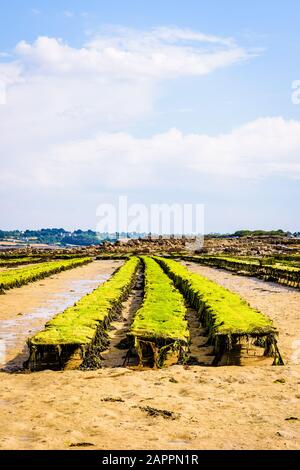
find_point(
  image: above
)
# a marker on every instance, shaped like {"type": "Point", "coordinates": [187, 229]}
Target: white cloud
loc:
{"type": "Point", "coordinates": [260, 149]}
{"type": "Point", "coordinates": [57, 94]}
{"type": "Point", "coordinates": [158, 54]}
{"type": "Point", "coordinates": [69, 114]}
{"type": "Point", "coordinates": [66, 107]}
{"type": "Point", "coordinates": [10, 73]}
{"type": "Point", "coordinates": [118, 161]}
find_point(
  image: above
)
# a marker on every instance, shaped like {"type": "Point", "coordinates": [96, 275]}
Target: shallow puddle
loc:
{"type": "Point", "coordinates": [15, 331]}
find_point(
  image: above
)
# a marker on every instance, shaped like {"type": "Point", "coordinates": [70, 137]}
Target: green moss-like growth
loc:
{"type": "Point", "coordinates": [160, 322]}
{"type": "Point", "coordinates": [230, 313]}
{"type": "Point", "coordinates": [267, 269]}
{"type": "Point", "coordinates": [19, 261]}
{"type": "Point", "coordinates": [112, 256]}
{"type": "Point", "coordinates": [20, 276]}
{"type": "Point", "coordinates": [83, 324]}
{"type": "Point", "coordinates": [225, 313]}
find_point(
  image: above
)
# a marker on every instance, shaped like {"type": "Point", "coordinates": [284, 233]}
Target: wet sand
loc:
{"type": "Point", "coordinates": [25, 310]}
{"type": "Point", "coordinates": [226, 407]}
{"type": "Point", "coordinates": [114, 355]}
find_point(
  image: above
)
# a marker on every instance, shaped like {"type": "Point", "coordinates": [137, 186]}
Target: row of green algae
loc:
{"type": "Point", "coordinates": [23, 275]}
{"type": "Point", "coordinates": [160, 321]}
{"type": "Point", "coordinates": [78, 325]}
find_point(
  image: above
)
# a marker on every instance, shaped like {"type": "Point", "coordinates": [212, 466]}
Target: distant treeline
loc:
{"type": "Point", "coordinates": [257, 233]}
{"type": "Point", "coordinates": [260, 233]}
{"type": "Point", "coordinates": [60, 236]}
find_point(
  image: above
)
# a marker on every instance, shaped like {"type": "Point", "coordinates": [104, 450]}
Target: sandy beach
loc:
{"type": "Point", "coordinates": [181, 407]}
{"type": "Point", "coordinates": [25, 310]}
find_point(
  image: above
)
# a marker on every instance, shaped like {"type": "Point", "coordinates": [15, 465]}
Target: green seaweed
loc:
{"type": "Point", "coordinates": [227, 312]}
{"type": "Point", "coordinates": [78, 325]}
{"type": "Point", "coordinates": [267, 269]}
{"type": "Point", "coordinates": [163, 311]}
{"type": "Point", "coordinates": [19, 276]}
{"type": "Point", "coordinates": [227, 316]}
{"type": "Point", "coordinates": [160, 321]}
{"type": "Point", "coordinates": [11, 262]}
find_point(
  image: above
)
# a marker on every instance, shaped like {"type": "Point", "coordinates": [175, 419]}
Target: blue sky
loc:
{"type": "Point", "coordinates": [165, 101]}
